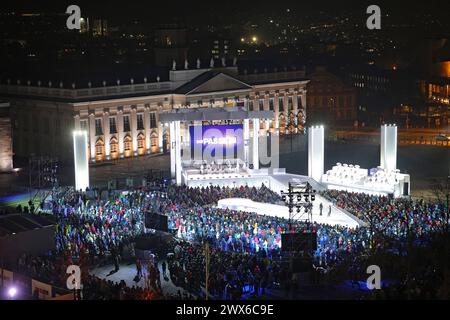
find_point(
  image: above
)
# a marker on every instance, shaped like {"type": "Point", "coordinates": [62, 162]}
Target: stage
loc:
{"type": "Point", "coordinates": [337, 217]}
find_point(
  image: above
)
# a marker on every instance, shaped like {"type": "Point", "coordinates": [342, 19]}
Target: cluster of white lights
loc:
{"type": "Point", "coordinates": [383, 178]}
{"type": "Point", "coordinates": [353, 176]}
{"type": "Point", "coordinates": [345, 174]}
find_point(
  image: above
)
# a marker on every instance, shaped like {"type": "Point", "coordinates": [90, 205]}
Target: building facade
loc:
{"type": "Point", "coordinates": [122, 121]}
{"type": "Point", "coordinates": [6, 162]}
{"type": "Point", "coordinates": [330, 100]}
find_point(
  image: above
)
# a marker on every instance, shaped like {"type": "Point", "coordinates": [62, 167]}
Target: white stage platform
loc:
{"type": "Point", "coordinates": [337, 217]}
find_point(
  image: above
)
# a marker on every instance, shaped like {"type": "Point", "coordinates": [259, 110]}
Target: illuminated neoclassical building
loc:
{"type": "Point", "coordinates": [6, 162]}
{"type": "Point", "coordinates": [122, 118]}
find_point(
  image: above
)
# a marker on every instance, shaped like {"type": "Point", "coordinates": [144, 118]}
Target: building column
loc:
{"type": "Point", "coordinates": [295, 102]}
{"type": "Point", "coordinates": [255, 144]}
{"type": "Point", "coordinates": [295, 109]}
{"type": "Point", "coordinates": [120, 134]}
{"type": "Point", "coordinates": [148, 130]}
{"type": "Point", "coordinates": [276, 107]}
{"type": "Point", "coordinates": [92, 135]}
{"type": "Point", "coordinates": [178, 152]}
{"type": "Point", "coordinates": [160, 133]}
{"type": "Point", "coordinates": [303, 97]}
{"type": "Point", "coordinates": [133, 124]}
{"type": "Point", "coordinates": [172, 149]}
{"type": "Point", "coordinates": [266, 108]}
{"type": "Point", "coordinates": [106, 134]}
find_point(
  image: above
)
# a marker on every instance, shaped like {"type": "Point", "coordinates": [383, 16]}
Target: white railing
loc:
{"type": "Point", "coordinates": [85, 93]}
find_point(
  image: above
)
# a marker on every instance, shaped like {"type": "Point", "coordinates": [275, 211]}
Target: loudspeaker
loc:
{"type": "Point", "coordinates": [306, 241]}
{"type": "Point", "coordinates": [406, 189]}
{"type": "Point", "coordinates": [156, 221]}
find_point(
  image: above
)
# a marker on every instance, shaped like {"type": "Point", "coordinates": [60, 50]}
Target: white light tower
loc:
{"type": "Point", "coordinates": [388, 150]}
{"type": "Point", "coordinates": [316, 157]}
{"type": "Point", "coordinates": [81, 158]}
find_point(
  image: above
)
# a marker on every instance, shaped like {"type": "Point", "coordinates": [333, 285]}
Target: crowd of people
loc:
{"type": "Point", "coordinates": [244, 246]}
{"type": "Point", "coordinates": [395, 218]}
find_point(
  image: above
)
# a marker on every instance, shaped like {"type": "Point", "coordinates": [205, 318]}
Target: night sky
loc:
{"type": "Point", "coordinates": [231, 9]}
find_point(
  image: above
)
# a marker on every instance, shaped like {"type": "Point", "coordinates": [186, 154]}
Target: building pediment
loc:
{"type": "Point", "coordinates": [212, 82]}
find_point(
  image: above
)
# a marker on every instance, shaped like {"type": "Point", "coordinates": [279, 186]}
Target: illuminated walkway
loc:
{"type": "Point", "coordinates": [337, 216]}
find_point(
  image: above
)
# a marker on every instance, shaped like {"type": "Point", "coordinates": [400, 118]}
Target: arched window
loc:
{"type": "Point", "coordinates": [127, 146]}
{"type": "Point", "coordinates": [114, 148]}
{"type": "Point", "coordinates": [154, 142]}
{"type": "Point", "coordinates": [141, 144]}
{"type": "Point", "coordinates": [99, 150]}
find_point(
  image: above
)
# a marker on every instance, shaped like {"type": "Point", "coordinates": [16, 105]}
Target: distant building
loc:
{"type": "Point", "coordinates": [6, 152]}
{"type": "Point", "coordinates": [436, 93]}
{"type": "Point", "coordinates": [100, 27]}
{"type": "Point", "coordinates": [122, 118]}
{"type": "Point", "coordinates": [405, 97]}
{"type": "Point", "coordinates": [330, 100]}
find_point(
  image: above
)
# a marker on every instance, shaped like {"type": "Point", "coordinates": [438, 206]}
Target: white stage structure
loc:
{"type": "Point", "coordinates": [384, 180]}
{"type": "Point", "coordinates": [316, 138]}
{"type": "Point", "coordinates": [81, 160]}
{"type": "Point", "coordinates": [388, 151]}
{"type": "Point", "coordinates": [186, 168]}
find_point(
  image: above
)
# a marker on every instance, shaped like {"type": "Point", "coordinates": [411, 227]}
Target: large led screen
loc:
{"type": "Point", "coordinates": [216, 141]}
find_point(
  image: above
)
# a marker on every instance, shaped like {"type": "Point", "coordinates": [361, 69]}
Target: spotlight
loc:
{"type": "Point", "coordinates": [12, 292]}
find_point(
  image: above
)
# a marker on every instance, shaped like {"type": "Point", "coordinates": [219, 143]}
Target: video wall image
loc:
{"type": "Point", "coordinates": [216, 142]}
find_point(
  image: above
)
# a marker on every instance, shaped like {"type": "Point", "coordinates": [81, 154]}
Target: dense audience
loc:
{"type": "Point", "coordinates": [244, 247]}
{"type": "Point", "coordinates": [396, 218]}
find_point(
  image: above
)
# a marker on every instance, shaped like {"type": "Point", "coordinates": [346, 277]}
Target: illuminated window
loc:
{"type": "Point", "coordinates": [112, 125]}
{"type": "Point", "coordinates": [126, 124]}
{"type": "Point", "coordinates": [141, 143]}
{"type": "Point", "coordinates": [152, 120]}
{"type": "Point", "coordinates": [140, 122]}
{"type": "Point", "coordinates": [281, 104]}
{"type": "Point", "coordinates": [98, 127]}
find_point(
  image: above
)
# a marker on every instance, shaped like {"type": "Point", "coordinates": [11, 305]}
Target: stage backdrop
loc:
{"type": "Point", "coordinates": [217, 141]}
